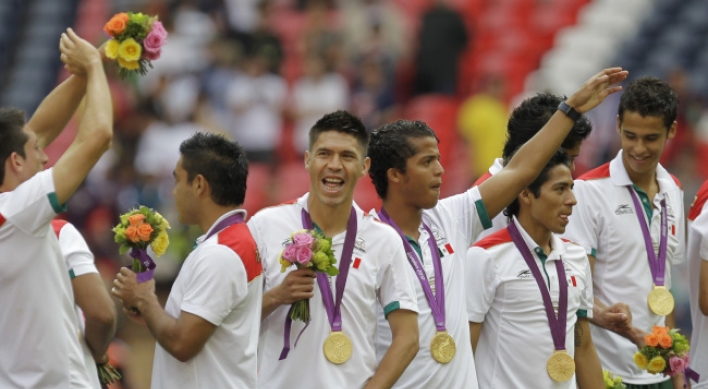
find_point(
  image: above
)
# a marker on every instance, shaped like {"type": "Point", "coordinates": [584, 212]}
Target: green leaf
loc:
{"type": "Point", "coordinates": [123, 249]}
{"type": "Point", "coordinates": [332, 271]}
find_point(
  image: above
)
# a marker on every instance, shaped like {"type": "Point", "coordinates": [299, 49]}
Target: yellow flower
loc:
{"type": "Point", "coordinates": [130, 65]}
{"type": "Point", "coordinates": [640, 360]}
{"type": "Point", "coordinates": [656, 365]}
{"type": "Point", "coordinates": [159, 245]}
{"type": "Point", "coordinates": [130, 50]}
{"type": "Point", "coordinates": [112, 49]}
{"type": "Point", "coordinates": [284, 264]}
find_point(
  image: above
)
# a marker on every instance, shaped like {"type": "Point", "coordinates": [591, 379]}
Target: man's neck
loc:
{"type": "Point", "coordinates": [645, 181]}
{"type": "Point", "coordinates": [406, 217]}
{"type": "Point", "coordinates": [210, 214]}
{"type": "Point", "coordinates": [332, 220]}
{"type": "Point", "coordinates": [540, 234]}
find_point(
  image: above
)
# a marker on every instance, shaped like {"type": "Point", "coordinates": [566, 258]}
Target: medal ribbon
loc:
{"type": "Point", "coordinates": [656, 265]}
{"type": "Point", "coordinates": [149, 264]}
{"type": "Point", "coordinates": [557, 324]}
{"type": "Point", "coordinates": [437, 301]}
{"type": "Point", "coordinates": [334, 309]}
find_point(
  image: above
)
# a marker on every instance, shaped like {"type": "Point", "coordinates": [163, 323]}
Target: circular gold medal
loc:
{"type": "Point", "coordinates": [442, 347]}
{"type": "Point", "coordinates": [560, 366]}
{"type": "Point", "coordinates": [660, 301]}
{"type": "Point", "coordinates": [337, 348]}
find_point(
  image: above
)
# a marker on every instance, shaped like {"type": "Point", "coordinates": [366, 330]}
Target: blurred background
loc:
{"type": "Point", "coordinates": [262, 72]}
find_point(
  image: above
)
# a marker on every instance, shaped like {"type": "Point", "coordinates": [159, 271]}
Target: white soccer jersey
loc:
{"type": "Point", "coordinates": [515, 341]}
{"type": "Point", "coordinates": [220, 281]}
{"type": "Point", "coordinates": [40, 337]}
{"type": "Point", "coordinates": [79, 261]}
{"type": "Point", "coordinates": [500, 221]}
{"type": "Point", "coordinates": [454, 222]}
{"type": "Point", "coordinates": [605, 223]}
{"type": "Point", "coordinates": [697, 253]}
{"type": "Point", "coordinates": [377, 275]}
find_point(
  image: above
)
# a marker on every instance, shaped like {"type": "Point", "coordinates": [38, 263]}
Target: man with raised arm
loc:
{"type": "Point", "coordinates": [406, 171]}
{"type": "Point", "coordinates": [372, 272]}
{"type": "Point", "coordinates": [40, 346]}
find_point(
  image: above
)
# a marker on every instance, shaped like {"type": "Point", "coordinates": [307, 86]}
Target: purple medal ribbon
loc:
{"type": "Point", "coordinates": [437, 301]}
{"type": "Point", "coordinates": [149, 264]}
{"type": "Point", "coordinates": [333, 308]}
{"type": "Point", "coordinates": [656, 265]}
{"type": "Point", "coordinates": [557, 324]}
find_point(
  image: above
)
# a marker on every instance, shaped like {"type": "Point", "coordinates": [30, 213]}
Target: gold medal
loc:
{"type": "Point", "coordinates": [442, 347]}
{"type": "Point", "coordinates": [661, 301]}
{"type": "Point", "coordinates": [337, 348]}
{"type": "Point", "coordinates": [560, 366]}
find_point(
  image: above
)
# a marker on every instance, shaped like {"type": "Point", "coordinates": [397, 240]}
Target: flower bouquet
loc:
{"type": "Point", "coordinates": [136, 40]}
{"type": "Point", "coordinates": [308, 249]}
{"type": "Point", "coordinates": [666, 352]}
{"type": "Point", "coordinates": [612, 381]}
{"type": "Point", "coordinates": [137, 230]}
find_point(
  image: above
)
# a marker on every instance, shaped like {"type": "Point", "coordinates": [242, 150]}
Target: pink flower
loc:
{"type": "Point", "coordinates": [290, 252]}
{"type": "Point", "coordinates": [304, 255]}
{"type": "Point", "coordinates": [686, 360]}
{"type": "Point", "coordinates": [152, 56]}
{"type": "Point", "coordinates": [677, 364]}
{"type": "Point", "coordinates": [303, 239]}
{"type": "Point", "coordinates": [154, 41]}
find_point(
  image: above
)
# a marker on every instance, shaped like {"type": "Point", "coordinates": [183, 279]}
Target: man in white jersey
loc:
{"type": "Point", "coordinates": [40, 346]}
{"type": "Point", "coordinates": [530, 292]}
{"type": "Point", "coordinates": [372, 271]}
{"type": "Point", "coordinates": [698, 264]}
{"type": "Point", "coordinates": [623, 206]}
{"type": "Point", "coordinates": [407, 174]}
{"type": "Point", "coordinates": [207, 334]}
{"type": "Point", "coordinates": [95, 311]}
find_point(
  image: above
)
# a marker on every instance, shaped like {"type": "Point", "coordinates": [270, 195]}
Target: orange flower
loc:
{"type": "Point", "coordinates": [136, 219]}
{"type": "Point", "coordinates": [117, 24]}
{"type": "Point", "coordinates": [132, 234]}
{"type": "Point", "coordinates": [651, 339]}
{"type": "Point", "coordinates": [665, 341]}
{"type": "Point", "coordinates": [660, 330]}
{"type": "Point", "coordinates": [144, 231]}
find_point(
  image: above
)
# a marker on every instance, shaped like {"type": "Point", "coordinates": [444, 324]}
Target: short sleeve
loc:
{"type": "Point", "coordinates": [480, 272]}
{"type": "Point", "coordinates": [700, 226]}
{"type": "Point", "coordinates": [32, 205]}
{"type": "Point", "coordinates": [587, 302]}
{"type": "Point", "coordinates": [583, 224]}
{"type": "Point", "coordinates": [394, 285]}
{"type": "Point", "coordinates": [468, 211]}
{"type": "Point", "coordinates": [217, 284]}
{"type": "Point", "coordinates": [77, 255]}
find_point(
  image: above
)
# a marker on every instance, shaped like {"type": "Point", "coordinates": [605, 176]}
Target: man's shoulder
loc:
{"type": "Point", "coordinates": [699, 202]}
{"type": "Point", "coordinates": [574, 249]}
{"type": "Point", "coordinates": [494, 240]}
{"type": "Point", "coordinates": [599, 173]}
{"type": "Point", "coordinates": [278, 211]}
{"type": "Point", "coordinates": [373, 226]}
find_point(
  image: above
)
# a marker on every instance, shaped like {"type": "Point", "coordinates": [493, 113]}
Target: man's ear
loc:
{"type": "Point", "coordinates": [525, 196]}
{"type": "Point", "coordinates": [200, 185]}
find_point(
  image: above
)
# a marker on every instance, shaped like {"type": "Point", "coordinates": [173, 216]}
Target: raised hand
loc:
{"type": "Point", "coordinates": [77, 54]}
{"type": "Point", "coordinates": [596, 89]}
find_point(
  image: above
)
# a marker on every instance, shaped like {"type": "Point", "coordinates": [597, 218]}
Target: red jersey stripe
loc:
{"type": "Point", "coordinates": [497, 238]}
{"type": "Point", "coordinates": [2, 220]}
{"type": "Point", "coordinates": [483, 178]}
{"type": "Point", "coordinates": [597, 173]}
{"type": "Point", "coordinates": [57, 225]}
{"type": "Point", "coordinates": [698, 202]}
{"type": "Point", "coordinates": [238, 238]}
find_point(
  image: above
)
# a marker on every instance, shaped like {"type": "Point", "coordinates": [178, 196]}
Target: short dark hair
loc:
{"type": "Point", "coordinates": [222, 163]}
{"type": "Point", "coordinates": [390, 147]}
{"type": "Point", "coordinates": [560, 157]}
{"type": "Point", "coordinates": [650, 96]}
{"type": "Point", "coordinates": [533, 113]}
{"type": "Point", "coordinates": [340, 121]}
{"type": "Point", "coordinates": [12, 138]}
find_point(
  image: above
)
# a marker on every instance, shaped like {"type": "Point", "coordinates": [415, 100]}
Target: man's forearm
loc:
{"type": "Point", "coordinates": [56, 109]}
{"type": "Point", "coordinates": [396, 360]}
{"type": "Point", "coordinates": [98, 115]}
{"type": "Point", "coordinates": [589, 369]}
{"type": "Point", "coordinates": [162, 326]}
{"type": "Point", "coordinates": [270, 304]}
{"type": "Point", "coordinates": [99, 335]}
